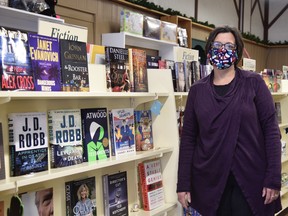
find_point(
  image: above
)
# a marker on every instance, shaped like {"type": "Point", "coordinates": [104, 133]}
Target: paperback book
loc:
{"type": "Point", "coordinates": [2, 161]}
{"type": "Point", "coordinates": [44, 53]}
{"type": "Point", "coordinates": [28, 142]}
{"type": "Point", "coordinates": [15, 61]}
{"type": "Point", "coordinates": [65, 137]}
{"type": "Point", "coordinates": [80, 197]}
{"type": "Point", "coordinates": [153, 61]}
{"type": "Point", "coordinates": [151, 184]}
{"type": "Point", "coordinates": [95, 134]}
{"type": "Point", "coordinates": [143, 130]}
{"type": "Point", "coordinates": [117, 69]}
{"type": "Point", "coordinates": [35, 201]}
{"type": "Point", "coordinates": [115, 194]}
{"type": "Point", "coordinates": [74, 66]}
{"type": "Point", "coordinates": [122, 132]}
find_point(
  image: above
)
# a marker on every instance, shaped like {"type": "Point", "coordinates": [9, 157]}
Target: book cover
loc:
{"type": "Point", "coordinates": [170, 64]}
{"type": "Point", "coordinates": [190, 212]}
{"type": "Point", "coordinates": [117, 69]}
{"type": "Point", "coordinates": [15, 61]}
{"type": "Point", "coordinates": [115, 194]}
{"type": "Point", "coordinates": [3, 3]}
{"type": "Point", "coordinates": [1, 208]}
{"type": "Point", "coordinates": [180, 77]}
{"type": "Point", "coordinates": [95, 134]}
{"type": "Point", "coordinates": [152, 27]}
{"type": "Point", "coordinates": [28, 142]}
{"type": "Point", "coordinates": [162, 64]}
{"type": "Point", "coordinates": [38, 202]}
{"type": "Point", "coordinates": [151, 184]}
{"type": "Point", "coordinates": [168, 32]}
{"type": "Point", "coordinates": [80, 197]}
{"type": "Point", "coordinates": [131, 22]}
{"type": "Point", "coordinates": [2, 161]}
{"type": "Point", "coordinates": [189, 75]}
{"type": "Point", "coordinates": [74, 65]}
{"type": "Point", "coordinates": [143, 130]}
{"type": "Point", "coordinates": [96, 54]}
{"type": "Point", "coordinates": [278, 112]}
{"type": "Point", "coordinates": [122, 132]}
{"type": "Point", "coordinates": [65, 137]}
{"type": "Point", "coordinates": [44, 53]}
{"type": "Point", "coordinates": [153, 61]}
{"type": "Point", "coordinates": [139, 68]}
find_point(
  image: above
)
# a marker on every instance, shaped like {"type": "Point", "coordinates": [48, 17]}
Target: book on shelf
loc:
{"type": "Point", "coordinates": [117, 69]}
{"type": "Point", "coordinates": [15, 61]}
{"type": "Point", "coordinates": [95, 134]}
{"type": "Point", "coordinates": [152, 27]}
{"type": "Point", "coordinates": [122, 132]}
{"type": "Point", "coordinates": [80, 197]}
{"type": "Point", "coordinates": [2, 161]}
{"type": "Point", "coordinates": [96, 54]}
{"type": "Point", "coordinates": [3, 3]}
{"type": "Point", "coordinates": [170, 64]}
{"type": "Point", "coordinates": [131, 22]}
{"type": "Point", "coordinates": [39, 202]}
{"type": "Point", "coordinates": [285, 71]}
{"type": "Point", "coordinates": [180, 77]}
{"type": "Point", "coordinates": [278, 111]}
{"type": "Point", "coordinates": [249, 64]}
{"type": "Point", "coordinates": [162, 64]}
{"type": "Point", "coordinates": [152, 61]}
{"type": "Point", "coordinates": [143, 130]}
{"type": "Point", "coordinates": [28, 142]}
{"type": "Point", "coordinates": [65, 137]}
{"type": "Point", "coordinates": [188, 74]}
{"type": "Point", "coordinates": [138, 68]}
{"type": "Point", "coordinates": [182, 37]}
{"type": "Point", "coordinates": [168, 32]}
{"type": "Point", "coordinates": [2, 208]}
{"type": "Point", "coordinates": [74, 65]}
{"type": "Point", "coordinates": [151, 188]}
{"type": "Point", "coordinates": [45, 61]}
{"type": "Point", "coordinates": [115, 194]}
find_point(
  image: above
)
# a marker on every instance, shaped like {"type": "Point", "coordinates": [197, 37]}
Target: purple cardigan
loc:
{"type": "Point", "coordinates": [237, 132]}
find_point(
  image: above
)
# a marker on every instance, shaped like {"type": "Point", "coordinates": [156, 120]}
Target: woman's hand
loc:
{"type": "Point", "coordinates": [184, 198]}
{"type": "Point", "coordinates": [269, 194]}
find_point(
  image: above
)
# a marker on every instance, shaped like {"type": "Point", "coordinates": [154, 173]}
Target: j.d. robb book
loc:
{"type": "Point", "coordinates": [74, 65]}
{"type": "Point", "coordinates": [28, 142]}
{"type": "Point", "coordinates": [44, 52]}
{"type": "Point", "coordinates": [95, 134]}
{"type": "Point", "coordinates": [65, 137]}
{"type": "Point", "coordinates": [115, 194]}
{"type": "Point", "coordinates": [122, 132]}
{"type": "Point", "coordinates": [15, 62]}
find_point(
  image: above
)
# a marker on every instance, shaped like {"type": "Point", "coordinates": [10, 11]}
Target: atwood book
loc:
{"type": "Point", "coordinates": [95, 134]}
{"type": "Point", "coordinates": [151, 184]}
{"type": "Point", "coordinates": [15, 61]}
{"type": "Point", "coordinates": [44, 52]}
{"type": "Point", "coordinates": [28, 142]}
{"type": "Point", "coordinates": [122, 132]}
{"type": "Point", "coordinates": [81, 197]}
{"type": "Point", "coordinates": [115, 194]}
{"type": "Point", "coordinates": [117, 69]}
{"type": "Point", "coordinates": [65, 137]}
{"type": "Point", "coordinates": [74, 65]}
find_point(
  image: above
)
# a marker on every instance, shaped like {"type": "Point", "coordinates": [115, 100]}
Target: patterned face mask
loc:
{"type": "Point", "coordinates": [222, 58]}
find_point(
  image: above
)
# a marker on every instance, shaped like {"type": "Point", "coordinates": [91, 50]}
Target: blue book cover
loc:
{"type": "Point", "coordinates": [115, 194]}
{"type": "Point", "coordinates": [143, 130]}
{"type": "Point", "coordinates": [95, 134]}
{"type": "Point", "coordinates": [44, 52]}
{"type": "Point", "coordinates": [123, 132]}
{"type": "Point", "coordinates": [190, 212]}
{"type": "Point", "coordinates": [15, 61]}
{"type": "Point", "coordinates": [28, 142]}
{"type": "Point", "coordinates": [65, 137]}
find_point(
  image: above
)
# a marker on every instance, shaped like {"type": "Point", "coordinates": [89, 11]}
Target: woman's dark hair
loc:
{"type": "Point", "coordinates": [227, 29]}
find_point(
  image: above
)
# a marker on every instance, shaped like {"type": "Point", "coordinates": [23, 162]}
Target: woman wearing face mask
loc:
{"type": "Point", "coordinates": [230, 150]}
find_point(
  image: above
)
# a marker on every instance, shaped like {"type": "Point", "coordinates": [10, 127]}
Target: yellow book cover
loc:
{"type": "Point", "coordinates": [96, 54]}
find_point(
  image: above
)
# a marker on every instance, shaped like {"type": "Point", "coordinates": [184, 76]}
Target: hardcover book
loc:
{"type": "Point", "coordinates": [115, 194]}
{"type": "Point", "coordinates": [143, 130]}
{"type": "Point", "coordinates": [170, 64]}
{"type": "Point", "coordinates": [28, 142]}
{"type": "Point", "coordinates": [15, 62]}
{"type": "Point", "coordinates": [168, 32]}
{"type": "Point", "coordinates": [44, 53]}
{"type": "Point", "coordinates": [2, 161]}
{"type": "Point", "coordinates": [151, 184]}
{"type": "Point", "coordinates": [74, 65]}
{"type": "Point", "coordinates": [35, 201]}
{"type": "Point", "coordinates": [117, 69]}
{"type": "Point", "coordinates": [278, 112]}
{"type": "Point", "coordinates": [190, 75]}
{"type": "Point", "coordinates": [122, 132]}
{"type": "Point", "coordinates": [152, 27]}
{"type": "Point", "coordinates": [95, 134]}
{"type": "Point", "coordinates": [65, 137]}
{"type": "Point", "coordinates": [138, 65]}
{"type": "Point", "coordinates": [131, 22]}
{"type": "Point", "coordinates": [80, 197]}
{"type": "Point", "coordinates": [180, 77]}
{"type": "Point", "coordinates": [153, 61]}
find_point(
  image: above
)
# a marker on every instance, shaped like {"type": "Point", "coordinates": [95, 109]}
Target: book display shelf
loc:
{"type": "Point", "coordinates": [164, 131]}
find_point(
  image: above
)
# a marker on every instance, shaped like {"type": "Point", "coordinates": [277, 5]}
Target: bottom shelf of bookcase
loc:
{"type": "Point", "coordinates": [161, 211]}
